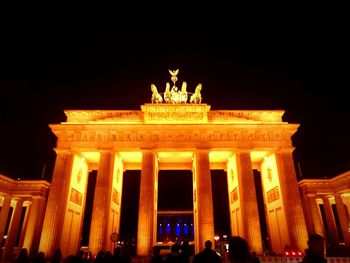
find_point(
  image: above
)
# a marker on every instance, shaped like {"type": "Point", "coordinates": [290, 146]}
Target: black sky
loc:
{"type": "Point", "coordinates": [57, 56]}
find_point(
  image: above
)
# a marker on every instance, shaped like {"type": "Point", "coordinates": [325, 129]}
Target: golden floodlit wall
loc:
{"type": "Point", "coordinates": [195, 202]}
{"type": "Point", "coordinates": [167, 134]}
{"type": "Point", "coordinates": [170, 136]}
{"type": "Point", "coordinates": [17, 194]}
{"type": "Point", "coordinates": [116, 197]}
{"type": "Point", "coordinates": [72, 226]}
{"type": "Point", "coordinates": [235, 213]}
{"type": "Point", "coordinates": [276, 219]}
{"type": "Point", "coordinates": [155, 200]}
{"type": "Point", "coordinates": [328, 193]}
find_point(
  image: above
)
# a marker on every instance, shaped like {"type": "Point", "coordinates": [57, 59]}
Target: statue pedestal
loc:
{"type": "Point", "coordinates": [175, 113]}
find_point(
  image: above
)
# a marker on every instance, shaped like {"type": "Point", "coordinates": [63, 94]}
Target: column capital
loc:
{"type": "Point", "coordinates": [285, 150]}
{"type": "Point", "coordinates": [338, 199]}
{"type": "Point", "coordinates": [202, 149]}
{"type": "Point", "coordinates": [37, 197]}
{"type": "Point", "coordinates": [311, 195]}
{"type": "Point", "coordinates": [18, 199]}
{"type": "Point", "coordinates": [106, 150]}
{"type": "Point", "coordinates": [337, 195]}
{"type": "Point", "coordinates": [242, 150]}
{"type": "Point", "coordinates": [148, 150]}
{"type": "Point", "coordinates": [62, 150]}
{"type": "Point", "coordinates": [326, 198]}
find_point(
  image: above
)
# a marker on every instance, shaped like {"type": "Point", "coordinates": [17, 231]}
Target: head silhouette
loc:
{"type": "Point", "coordinates": [316, 244]}
{"type": "Point", "coordinates": [175, 248]}
{"type": "Point", "coordinates": [208, 244]}
{"type": "Point", "coordinates": [238, 249]}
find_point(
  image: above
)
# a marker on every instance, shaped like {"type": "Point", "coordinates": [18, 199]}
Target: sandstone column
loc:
{"type": "Point", "coordinates": [145, 231]}
{"type": "Point", "coordinates": [315, 216]}
{"type": "Point", "coordinates": [248, 202]}
{"type": "Point", "coordinates": [205, 214]}
{"type": "Point", "coordinates": [102, 202]}
{"type": "Point", "coordinates": [24, 225]}
{"type": "Point", "coordinates": [332, 228]}
{"type": "Point", "coordinates": [13, 229]}
{"type": "Point", "coordinates": [291, 199]}
{"type": "Point", "coordinates": [57, 201]}
{"type": "Point", "coordinates": [343, 219]}
{"type": "Point", "coordinates": [4, 213]}
{"type": "Point", "coordinates": [32, 234]}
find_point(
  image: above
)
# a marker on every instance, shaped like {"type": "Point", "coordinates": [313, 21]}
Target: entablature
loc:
{"type": "Point", "coordinates": [173, 114]}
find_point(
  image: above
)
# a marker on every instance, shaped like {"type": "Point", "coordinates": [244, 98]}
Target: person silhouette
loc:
{"type": "Point", "coordinates": [239, 250]}
{"type": "Point", "coordinates": [255, 258]}
{"type": "Point", "coordinates": [156, 258]}
{"type": "Point", "coordinates": [174, 256]}
{"type": "Point", "coordinates": [57, 256]}
{"type": "Point", "coordinates": [315, 251]}
{"type": "Point", "coordinates": [23, 256]}
{"type": "Point", "coordinates": [185, 251]}
{"type": "Point", "coordinates": [207, 255]}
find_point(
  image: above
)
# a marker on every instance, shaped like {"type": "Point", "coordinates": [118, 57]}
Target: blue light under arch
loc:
{"type": "Point", "coordinates": [186, 229]}
{"type": "Point", "coordinates": [168, 228]}
{"type": "Point", "coordinates": [178, 230]}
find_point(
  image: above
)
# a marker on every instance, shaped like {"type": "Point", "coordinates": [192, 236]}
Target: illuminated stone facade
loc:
{"type": "Point", "coordinates": [173, 137]}
{"type": "Point", "coordinates": [26, 200]}
{"type": "Point", "coordinates": [326, 203]}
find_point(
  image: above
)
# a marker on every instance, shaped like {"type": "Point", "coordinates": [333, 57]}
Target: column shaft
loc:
{"type": "Point", "coordinates": [24, 226]}
{"type": "Point", "coordinates": [291, 200]}
{"type": "Point", "coordinates": [248, 202]}
{"type": "Point", "coordinates": [315, 216]}
{"type": "Point", "coordinates": [332, 235]}
{"type": "Point", "coordinates": [205, 214]}
{"type": "Point", "coordinates": [4, 213]}
{"type": "Point", "coordinates": [102, 202]}
{"type": "Point", "coordinates": [343, 219]}
{"type": "Point", "coordinates": [35, 220]}
{"type": "Point", "coordinates": [145, 231]}
{"type": "Point", "coordinates": [56, 205]}
{"type": "Point", "coordinates": [13, 230]}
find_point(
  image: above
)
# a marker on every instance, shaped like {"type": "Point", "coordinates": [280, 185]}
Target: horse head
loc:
{"type": "Point", "coordinates": [184, 86]}
{"type": "Point", "coordinates": [154, 89]}
{"type": "Point", "coordinates": [167, 87]}
{"type": "Point", "coordinates": [198, 88]}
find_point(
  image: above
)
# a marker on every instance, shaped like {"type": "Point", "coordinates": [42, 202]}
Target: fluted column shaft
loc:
{"type": "Point", "coordinates": [145, 231]}
{"type": "Point", "coordinates": [56, 204]}
{"type": "Point", "coordinates": [205, 212]}
{"type": "Point", "coordinates": [332, 228]}
{"type": "Point", "coordinates": [316, 220]}
{"type": "Point", "coordinates": [291, 200]}
{"type": "Point", "coordinates": [4, 213]}
{"type": "Point", "coordinates": [13, 230]}
{"type": "Point", "coordinates": [248, 202]}
{"type": "Point", "coordinates": [102, 202]}
{"type": "Point", "coordinates": [24, 226]}
{"type": "Point", "coordinates": [35, 220]}
{"type": "Point", "coordinates": [343, 219]}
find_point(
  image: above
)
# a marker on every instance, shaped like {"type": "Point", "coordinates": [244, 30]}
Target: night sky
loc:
{"type": "Point", "coordinates": [55, 56]}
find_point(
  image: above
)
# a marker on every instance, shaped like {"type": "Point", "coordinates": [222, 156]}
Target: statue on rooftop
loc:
{"type": "Point", "coordinates": [156, 97]}
{"type": "Point", "coordinates": [174, 95]}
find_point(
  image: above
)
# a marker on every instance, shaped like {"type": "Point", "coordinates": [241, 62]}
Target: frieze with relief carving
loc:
{"type": "Point", "coordinates": [236, 116]}
{"type": "Point", "coordinates": [175, 136]}
{"type": "Point", "coordinates": [118, 116]}
{"type": "Point", "coordinates": [175, 113]}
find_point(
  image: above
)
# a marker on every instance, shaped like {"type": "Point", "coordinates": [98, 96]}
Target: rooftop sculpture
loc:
{"type": "Point", "coordinates": [174, 95]}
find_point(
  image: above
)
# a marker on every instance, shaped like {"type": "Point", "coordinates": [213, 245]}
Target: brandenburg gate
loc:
{"type": "Point", "coordinates": [171, 134]}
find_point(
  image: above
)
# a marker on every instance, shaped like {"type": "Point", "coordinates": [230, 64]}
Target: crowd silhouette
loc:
{"type": "Point", "coordinates": [238, 252]}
